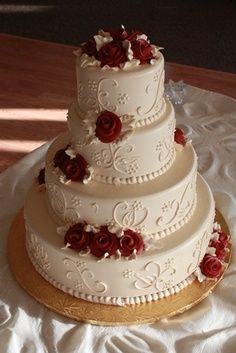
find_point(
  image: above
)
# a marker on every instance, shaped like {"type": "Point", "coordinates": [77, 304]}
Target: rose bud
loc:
{"type": "Point", "coordinates": [60, 157]}
{"type": "Point", "coordinates": [89, 48]}
{"type": "Point", "coordinates": [211, 266]}
{"type": "Point", "coordinates": [108, 127]}
{"type": "Point", "coordinates": [142, 50]}
{"type": "Point", "coordinates": [104, 242]}
{"type": "Point", "coordinates": [179, 137]}
{"type": "Point", "coordinates": [77, 237]}
{"type": "Point", "coordinates": [220, 248]}
{"type": "Point", "coordinates": [75, 168]}
{"type": "Point", "coordinates": [129, 242]}
{"type": "Point", "coordinates": [112, 54]}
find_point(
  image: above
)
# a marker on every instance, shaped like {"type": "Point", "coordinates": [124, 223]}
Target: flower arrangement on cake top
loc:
{"type": "Point", "coordinates": [118, 49]}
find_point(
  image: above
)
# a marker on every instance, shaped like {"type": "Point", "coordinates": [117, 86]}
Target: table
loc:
{"type": "Point", "coordinates": [38, 83]}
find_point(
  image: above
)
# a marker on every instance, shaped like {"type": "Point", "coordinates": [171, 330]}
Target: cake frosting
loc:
{"type": "Point", "coordinates": [122, 216]}
{"type": "Point", "coordinates": [114, 90]}
{"type": "Point", "coordinates": [158, 205]}
{"type": "Point", "coordinates": [125, 161]}
{"type": "Point", "coordinates": [169, 261]}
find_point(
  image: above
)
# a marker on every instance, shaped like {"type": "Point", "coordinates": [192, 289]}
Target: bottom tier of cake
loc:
{"type": "Point", "coordinates": [164, 269]}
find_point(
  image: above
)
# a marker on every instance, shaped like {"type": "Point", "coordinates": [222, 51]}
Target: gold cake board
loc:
{"type": "Point", "coordinates": [93, 313]}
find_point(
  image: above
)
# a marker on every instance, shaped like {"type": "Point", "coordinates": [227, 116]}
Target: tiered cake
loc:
{"type": "Point", "coordinates": [124, 217]}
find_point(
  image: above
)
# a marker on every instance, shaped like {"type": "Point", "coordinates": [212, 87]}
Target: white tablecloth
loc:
{"type": "Point", "coordinates": [26, 326]}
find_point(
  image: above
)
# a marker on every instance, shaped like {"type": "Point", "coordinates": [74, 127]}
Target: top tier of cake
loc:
{"type": "Point", "coordinates": [120, 72]}
{"type": "Point", "coordinates": [136, 91]}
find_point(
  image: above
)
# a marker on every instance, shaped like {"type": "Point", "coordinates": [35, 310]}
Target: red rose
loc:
{"type": "Point", "coordinates": [179, 137]}
{"type": "Point", "coordinates": [112, 54]}
{"type": "Point", "coordinates": [142, 50]}
{"type": "Point", "coordinates": [118, 34]}
{"type": "Point", "coordinates": [220, 248]}
{"type": "Point", "coordinates": [89, 48]}
{"type": "Point", "coordinates": [104, 242]}
{"type": "Point", "coordinates": [129, 242]}
{"type": "Point", "coordinates": [60, 158]}
{"type": "Point", "coordinates": [223, 238]}
{"type": "Point", "coordinates": [77, 237]}
{"type": "Point", "coordinates": [108, 127]}
{"type": "Point", "coordinates": [133, 35]}
{"type": "Point", "coordinates": [75, 168]}
{"type": "Point", "coordinates": [121, 34]}
{"type": "Point", "coordinates": [41, 176]}
{"type": "Point", "coordinates": [211, 266]}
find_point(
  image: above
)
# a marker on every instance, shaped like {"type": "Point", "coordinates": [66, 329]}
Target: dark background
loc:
{"type": "Point", "coordinates": [198, 33]}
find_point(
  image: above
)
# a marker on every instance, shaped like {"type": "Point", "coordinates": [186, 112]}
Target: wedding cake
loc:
{"type": "Point", "coordinates": [121, 215]}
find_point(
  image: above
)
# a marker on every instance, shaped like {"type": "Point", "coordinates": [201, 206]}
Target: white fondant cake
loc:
{"type": "Point", "coordinates": [123, 217]}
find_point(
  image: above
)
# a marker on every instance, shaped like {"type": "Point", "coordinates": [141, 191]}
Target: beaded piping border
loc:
{"type": "Point", "coordinates": [136, 179]}
{"type": "Point", "coordinates": [112, 300]}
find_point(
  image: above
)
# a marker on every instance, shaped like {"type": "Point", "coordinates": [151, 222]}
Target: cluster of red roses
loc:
{"type": "Point", "coordinates": [73, 168]}
{"type": "Point", "coordinates": [211, 266]}
{"type": "Point", "coordinates": [113, 53]}
{"type": "Point", "coordinates": [108, 128]}
{"type": "Point", "coordinates": [103, 242]}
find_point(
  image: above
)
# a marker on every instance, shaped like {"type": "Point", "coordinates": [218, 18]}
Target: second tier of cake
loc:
{"type": "Point", "coordinates": [156, 207]}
